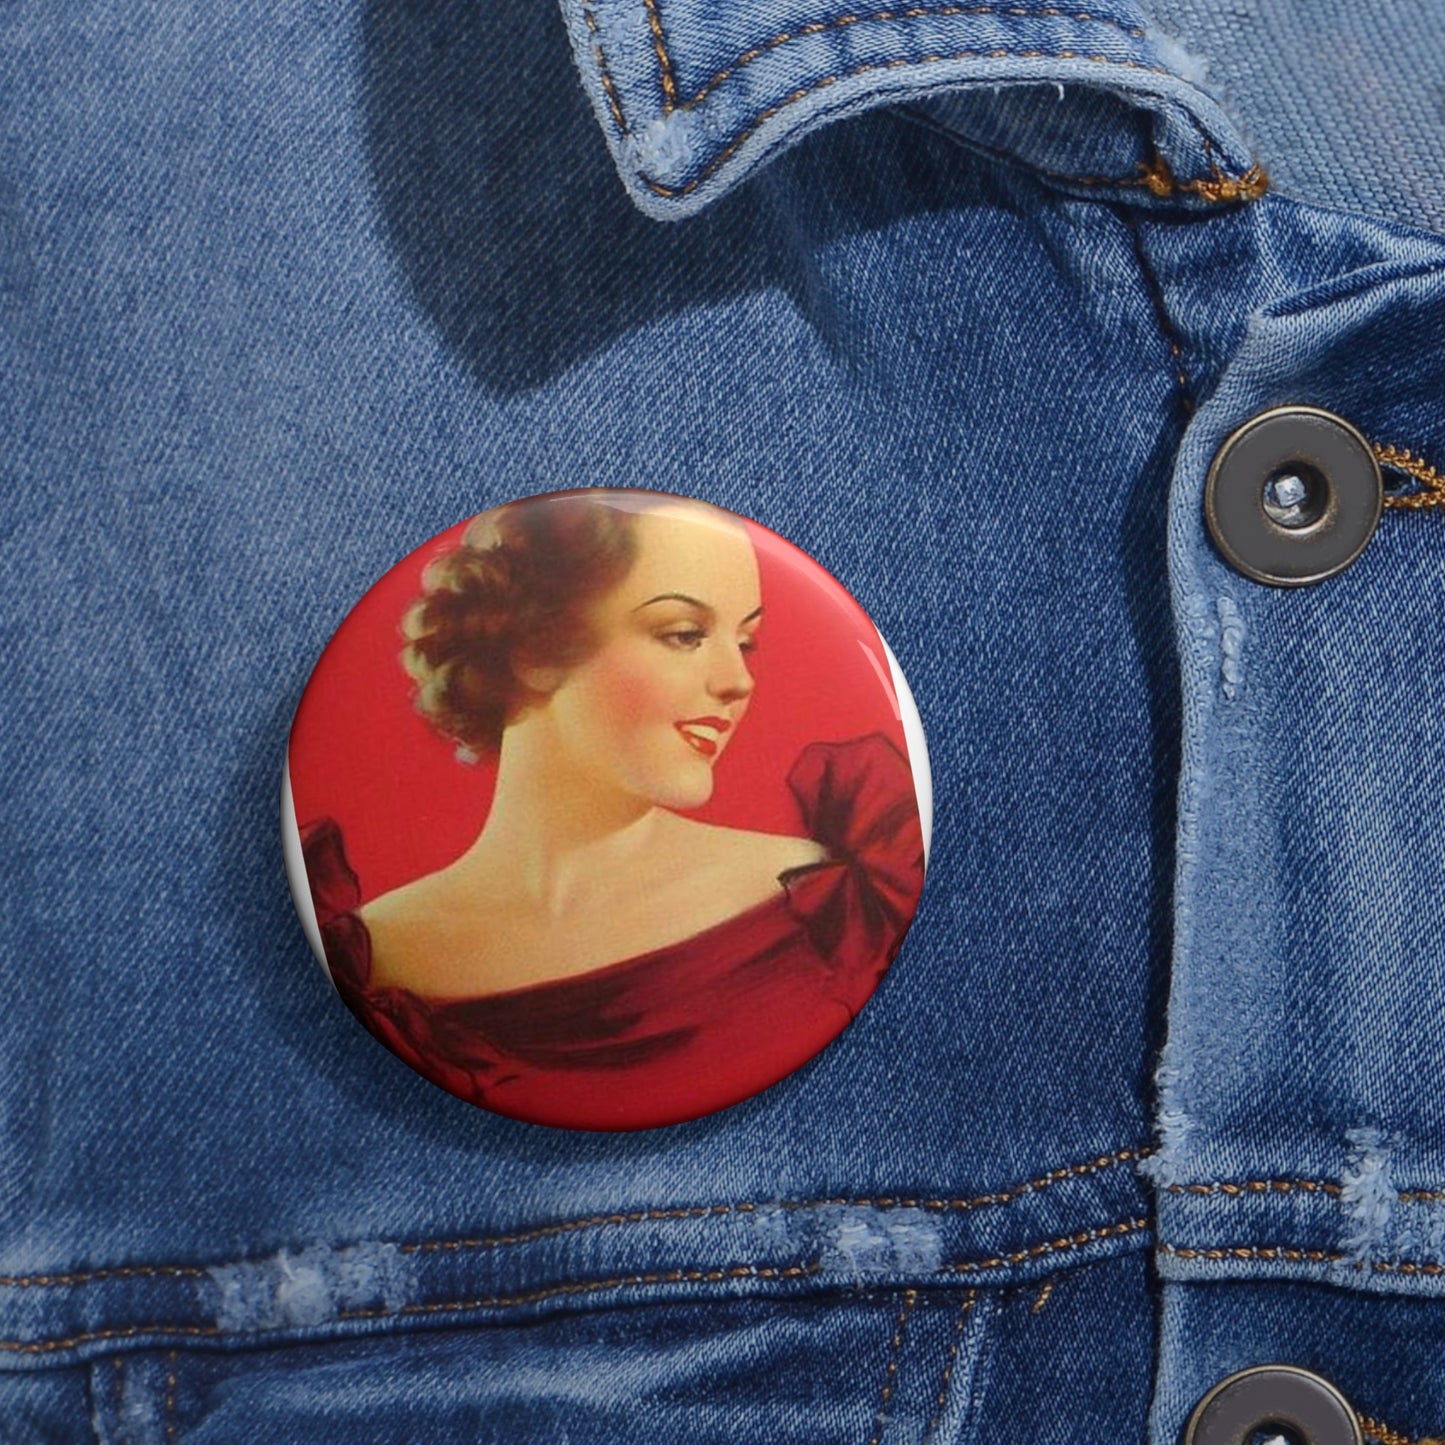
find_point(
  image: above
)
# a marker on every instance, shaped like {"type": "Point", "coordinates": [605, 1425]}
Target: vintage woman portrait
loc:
{"type": "Point", "coordinates": [578, 851]}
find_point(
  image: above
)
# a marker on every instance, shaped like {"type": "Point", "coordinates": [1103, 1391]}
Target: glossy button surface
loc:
{"type": "Point", "coordinates": [1293, 496]}
{"type": "Point", "coordinates": [1273, 1398]}
{"type": "Point", "coordinates": [606, 810]}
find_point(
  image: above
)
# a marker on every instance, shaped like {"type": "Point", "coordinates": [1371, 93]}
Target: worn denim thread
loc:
{"type": "Point", "coordinates": [1250, 185]}
{"type": "Point", "coordinates": [1219, 189]}
{"type": "Point", "coordinates": [890, 1375]}
{"type": "Point", "coordinates": [1044, 1295]}
{"type": "Point", "coordinates": [941, 1403]}
{"type": "Point", "coordinates": [1405, 461]}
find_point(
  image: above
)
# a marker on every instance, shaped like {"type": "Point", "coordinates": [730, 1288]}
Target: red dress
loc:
{"type": "Point", "coordinates": [683, 1030]}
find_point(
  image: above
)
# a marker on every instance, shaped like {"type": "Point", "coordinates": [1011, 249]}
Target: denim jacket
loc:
{"type": "Point", "coordinates": [963, 300]}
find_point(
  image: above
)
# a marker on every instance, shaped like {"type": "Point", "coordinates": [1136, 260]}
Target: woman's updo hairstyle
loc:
{"type": "Point", "coordinates": [515, 592]}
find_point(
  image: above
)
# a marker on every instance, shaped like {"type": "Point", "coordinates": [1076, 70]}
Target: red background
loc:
{"type": "Point", "coordinates": [362, 755]}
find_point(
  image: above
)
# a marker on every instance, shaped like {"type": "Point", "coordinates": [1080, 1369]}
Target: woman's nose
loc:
{"type": "Point", "coordinates": [731, 681]}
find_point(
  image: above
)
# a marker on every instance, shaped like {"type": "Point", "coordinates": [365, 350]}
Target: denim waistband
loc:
{"type": "Point", "coordinates": [1079, 1212]}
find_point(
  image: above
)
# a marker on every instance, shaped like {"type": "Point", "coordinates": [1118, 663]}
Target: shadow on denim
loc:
{"type": "Point", "coordinates": [513, 228]}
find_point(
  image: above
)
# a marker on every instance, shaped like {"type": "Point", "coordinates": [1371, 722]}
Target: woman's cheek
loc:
{"type": "Point", "coordinates": [633, 696]}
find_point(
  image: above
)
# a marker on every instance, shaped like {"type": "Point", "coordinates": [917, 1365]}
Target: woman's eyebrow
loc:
{"type": "Point", "coordinates": [674, 597]}
{"type": "Point", "coordinates": [694, 602]}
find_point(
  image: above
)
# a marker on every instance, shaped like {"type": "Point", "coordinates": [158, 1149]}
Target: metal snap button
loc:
{"type": "Point", "coordinates": [1297, 1404]}
{"type": "Point", "coordinates": [1293, 496]}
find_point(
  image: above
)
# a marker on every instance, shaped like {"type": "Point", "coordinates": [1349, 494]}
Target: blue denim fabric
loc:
{"type": "Point", "coordinates": [1341, 98]}
{"type": "Point", "coordinates": [285, 293]}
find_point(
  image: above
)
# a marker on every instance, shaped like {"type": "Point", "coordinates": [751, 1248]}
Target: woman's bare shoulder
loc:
{"type": "Point", "coordinates": [413, 934]}
{"type": "Point", "coordinates": [409, 904]}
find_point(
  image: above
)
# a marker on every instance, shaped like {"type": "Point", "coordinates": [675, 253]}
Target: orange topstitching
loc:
{"type": "Point", "coordinates": [579, 1287]}
{"type": "Point", "coordinates": [1156, 175]}
{"type": "Point", "coordinates": [1386, 1436]}
{"type": "Point", "coordinates": [952, 1359]}
{"type": "Point", "coordinates": [890, 1375]}
{"type": "Point", "coordinates": [1433, 482]}
{"type": "Point", "coordinates": [1296, 1255]}
{"type": "Point", "coordinates": [638, 1216]}
{"type": "Point", "coordinates": [1238, 1188]}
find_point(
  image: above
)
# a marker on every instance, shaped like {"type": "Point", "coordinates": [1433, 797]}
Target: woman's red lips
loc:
{"type": "Point", "coordinates": [703, 734]}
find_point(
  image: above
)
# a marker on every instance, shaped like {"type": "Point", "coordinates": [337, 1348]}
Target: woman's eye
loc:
{"type": "Point", "coordinates": [686, 638]}
{"type": "Point", "coordinates": [748, 644]}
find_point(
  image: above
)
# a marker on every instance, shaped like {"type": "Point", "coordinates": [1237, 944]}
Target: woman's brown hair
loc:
{"type": "Point", "coordinates": [513, 596]}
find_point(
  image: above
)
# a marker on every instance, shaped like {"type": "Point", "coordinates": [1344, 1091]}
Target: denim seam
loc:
{"type": "Point", "coordinates": [913, 12]}
{"type": "Point", "coordinates": [1220, 188]}
{"type": "Point", "coordinates": [1237, 1189]}
{"type": "Point", "coordinates": [592, 1286]}
{"type": "Point", "coordinates": [997, 1199]}
{"type": "Point", "coordinates": [890, 1375]}
{"type": "Point", "coordinates": [941, 1402]}
{"type": "Point", "coordinates": [169, 1414]}
{"type": "Point", "coordinates": [123, 1271]}
{"type": "Point", "coordinates": [1157, 178]}
{"type": "Point", "coordinates": [1234, 1190]}
{"type": "Point", "coordinates": [1161, 313]}
{"type": "Point", "coordinates": [614, 103]}
{"type": "Point", "coordinates": [667, 72]}
{"type": "Point", "coordinates": [1433, 495]}
{"type": "Point", "coordinates": [1216, 1253]}
{"type": "Point", "coordinates": [126, 1332]}
{"type": "Point", "coordinates": [664, 60]}
{"type": "Point", "coordinates": [1052, 1246]}
{"type": "Point", "coordinates": [587, 1287]}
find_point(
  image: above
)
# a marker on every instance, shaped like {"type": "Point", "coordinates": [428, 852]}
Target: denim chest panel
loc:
{"type": "Point", "coordinates": [280, 300]}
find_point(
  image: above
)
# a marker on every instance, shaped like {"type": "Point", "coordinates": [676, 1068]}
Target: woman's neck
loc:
{"type": "Point", "coordinates": [555, 836]}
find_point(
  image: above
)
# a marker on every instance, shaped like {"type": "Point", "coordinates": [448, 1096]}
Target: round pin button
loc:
{"type": "Point", "coordinates": [606, 809]}
{"type": "Point", "coordinates": [1293, 496]}
{"type": "Point", "coordinates": [1281, 1399]}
